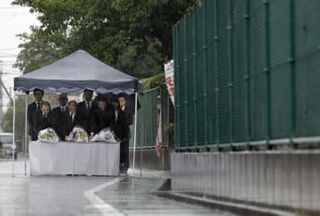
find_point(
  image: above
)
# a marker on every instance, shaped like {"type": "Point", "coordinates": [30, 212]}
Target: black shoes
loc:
{"type": "Point", "coordinates": [123, 169]}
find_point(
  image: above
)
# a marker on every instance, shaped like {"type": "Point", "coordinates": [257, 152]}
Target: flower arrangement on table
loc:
{"type": "Point", "coordinates": [48, 135]}
{"type": "Point", "coordinates": [78, 134]}
{"type": "Point", "coordinates": [105, 135]}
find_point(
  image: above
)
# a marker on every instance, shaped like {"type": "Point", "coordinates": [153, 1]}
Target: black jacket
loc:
{"type": "Point", "coordinates": [69, 124]}
{"type": "Point", "coordinates": [87, 116]}
{"type": "Point", "coordinates": [32, 110]}
{"type": "Point", "coordinates": [41, 122]}
{"type": "Point", "coordinates": [103, 119]}
{"type": "Point", "coordinates": [122, 124]}
{"type": "Point", "coordinates": [59, 121]}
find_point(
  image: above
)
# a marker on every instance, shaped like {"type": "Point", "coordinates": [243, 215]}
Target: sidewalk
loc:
{"type": "Point", "coordinates": [90, 196]}
{"type": "Point", "coordinates": [164, 190]}
{"type": "Point", "coordinates": [135, 195]}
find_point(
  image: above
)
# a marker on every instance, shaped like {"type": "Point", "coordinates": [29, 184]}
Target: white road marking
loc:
{"type": "Point", "coordinates": [99, 204]}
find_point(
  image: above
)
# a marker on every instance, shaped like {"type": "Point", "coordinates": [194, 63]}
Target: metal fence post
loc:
{"type": "Point", "coordinates": [247, 76]}
{"type": "Point", "coordinates": [267, 70]}
{"type": "Point", "coordinates": [177, 89]}
{"type": "Point", "coordinates": [194, 76]}
{"type": "Point", "coordinates": [185, 77]}
{"type": "Point", "coordinates": [231, 69]}
{"type": "Point", "coordinates": [140, 141]}
{"type": "Point", "coordinates": [205, 60]}
{"type": "Point", "coordinates": [292, 61]}
{"type": "Point", "coordinates": [216, 39]}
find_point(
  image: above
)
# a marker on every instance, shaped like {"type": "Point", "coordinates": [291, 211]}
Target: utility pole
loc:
{"type": "Point", "coordinates": [1, 94]}
{"type": "Point", "coordinates": [3, 87]}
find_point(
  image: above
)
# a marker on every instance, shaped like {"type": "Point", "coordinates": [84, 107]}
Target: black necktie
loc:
{"type": "Point", "coordinates": [38, 106]}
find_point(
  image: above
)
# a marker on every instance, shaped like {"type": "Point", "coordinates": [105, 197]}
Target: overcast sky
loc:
{"type": "Point", "coordinates": [13, 20]}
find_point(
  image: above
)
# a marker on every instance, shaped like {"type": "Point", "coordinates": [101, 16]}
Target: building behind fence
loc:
{"type": "Point", "coordinates": [247, 72]}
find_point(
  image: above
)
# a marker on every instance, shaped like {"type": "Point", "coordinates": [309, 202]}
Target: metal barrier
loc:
{"type": "Point", "coordinates": [246, 73]}
{"type": "Point", "coordinates": [147, 117]}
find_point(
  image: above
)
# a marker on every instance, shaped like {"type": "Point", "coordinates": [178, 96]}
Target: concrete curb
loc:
{"type": "Point", "coordinates": [244, 209]}
{"type": "Point", "coordinates": [240, 209]}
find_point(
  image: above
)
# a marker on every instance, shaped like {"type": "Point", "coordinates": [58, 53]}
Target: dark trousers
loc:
{"type": "Point", "coordinates": [124, 153]}
{"type": "Point", "coordinates": [34, 136]}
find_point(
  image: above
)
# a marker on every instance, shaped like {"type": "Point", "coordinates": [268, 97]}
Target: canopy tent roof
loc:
{"type": "Point", "coordinates": [76, 72]}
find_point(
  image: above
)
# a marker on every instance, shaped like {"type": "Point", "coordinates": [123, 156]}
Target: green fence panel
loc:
{"type": "Point", "coordinates": [307, 33]}
{"type": "Point", "coordinates": [165, 113]}
{"type": "Point", "coordinates": [258, 66]}
{"type": "Point", "coordinates": [147, 118]}
{"type": "Point", "coordinates": [246, 71]}
{"type": "Point", "coordinates": [239, 82]}
{"type": "Point", "coordinates": [211, 108]}
{"type": "Point", "coordinates": [199, 79]}
{"type": "Point", "coordinates": [280, 68]}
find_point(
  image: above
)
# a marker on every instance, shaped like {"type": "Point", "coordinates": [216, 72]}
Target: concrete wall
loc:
{"type": "Point", "coordinates": [285, 179]}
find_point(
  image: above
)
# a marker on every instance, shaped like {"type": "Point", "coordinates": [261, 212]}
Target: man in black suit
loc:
{"type": "Point", "coordinates": [86, 111]}
{"type": "Point", "coordinates": [43, 119]}
{"type": "Point", "coordinates": [58, 116]}
{"type": "Point", "coordinates": [33, 108]}
{"type": "Point", "coordinates": [123, 120]}
{"type": "Point", "coordinates": [72, 117]}
{"type": "Point", "coordinates": [103, 116]}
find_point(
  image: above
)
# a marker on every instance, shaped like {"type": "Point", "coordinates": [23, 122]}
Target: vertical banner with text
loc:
{"type": "Point", "coordinates": [169, 74]}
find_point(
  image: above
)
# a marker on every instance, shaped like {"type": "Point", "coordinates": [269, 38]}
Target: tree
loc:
{"type": "Point", "coordinates": [132, 35]}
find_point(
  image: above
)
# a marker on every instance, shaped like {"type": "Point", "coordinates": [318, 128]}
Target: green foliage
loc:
{"type": "Point", "coordinates": [36, 51]}
{"type": "Point", "coordinates": [152, 82]}
{"type": "Point", "coordinates": [134, 36]}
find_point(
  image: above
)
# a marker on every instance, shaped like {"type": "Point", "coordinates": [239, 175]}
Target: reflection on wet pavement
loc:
{"type": "Point", "coordinates": [89, 196]}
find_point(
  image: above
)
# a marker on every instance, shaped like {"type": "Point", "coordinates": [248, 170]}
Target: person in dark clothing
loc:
{"type": "Point", "coordinates": [33, 108]}
{"type": "Point", "coordinates": [58, 116]}
{"type": "Point", "coordinates": [72, 117]}
{"type": "Point", "coordinates": [103, 116]}
{"type": "Point", "coordinates": [115, 106]}
{"type": "Point", "coordinates": [123, 120]}
{"type": "Point", "coordinates": [86, 110]}
{"type": "Point", "coordinates": [43, 119]}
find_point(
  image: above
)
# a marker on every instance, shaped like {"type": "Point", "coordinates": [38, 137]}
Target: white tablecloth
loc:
{"type": "Point", "coordinates": [74, 158]}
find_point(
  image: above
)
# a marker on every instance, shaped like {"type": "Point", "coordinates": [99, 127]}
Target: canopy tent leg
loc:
{"type": "Point", "coordinates": [13, 131]}
{"type": "Point", "coordinates": [25, 134]}
{"type": "Point", "coordinates": [135, 130]}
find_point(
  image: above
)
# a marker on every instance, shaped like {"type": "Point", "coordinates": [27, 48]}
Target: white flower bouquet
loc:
{"type": "Point", "coordinates": [78, 134]}
{"type": "Point", "coordinates": [48, 135]}
{"type": "Point", "coordinates": [105, 135]}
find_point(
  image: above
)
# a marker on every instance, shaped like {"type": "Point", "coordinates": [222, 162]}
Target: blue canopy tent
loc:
{"type": "Point", "coordinates": [74, 73]}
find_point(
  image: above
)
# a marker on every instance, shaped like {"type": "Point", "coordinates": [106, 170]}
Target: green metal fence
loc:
{"type": "Point", "coordinates": [247, 71]}
{"type": "Point", "coordinates": [147, 118]}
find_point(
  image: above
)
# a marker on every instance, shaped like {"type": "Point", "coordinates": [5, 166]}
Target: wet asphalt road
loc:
{"type": "Point", "coordinates": [92, 196]}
